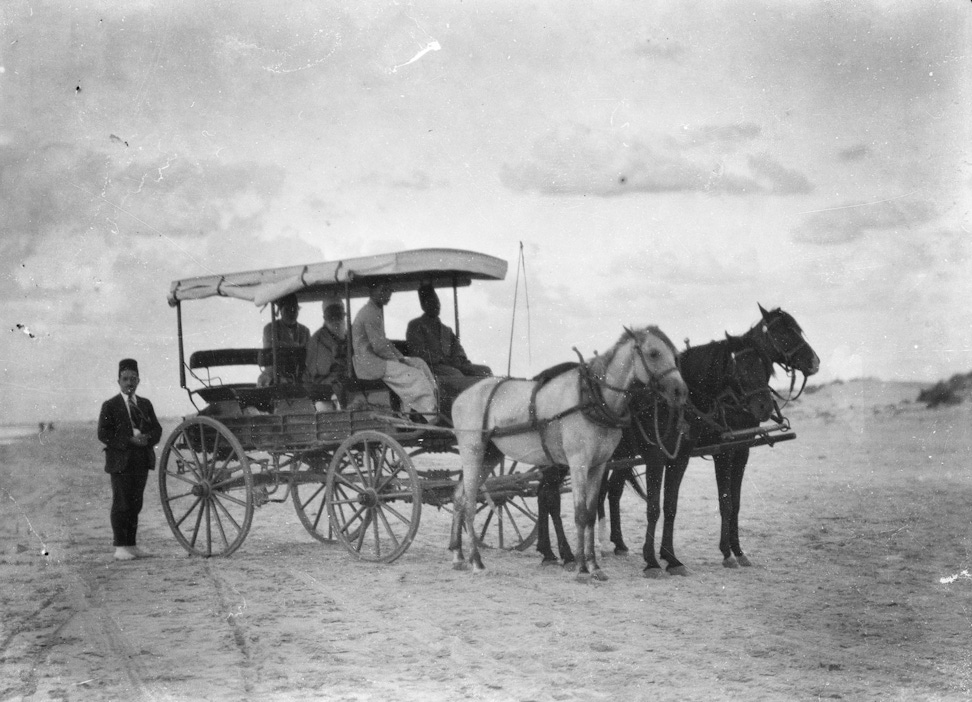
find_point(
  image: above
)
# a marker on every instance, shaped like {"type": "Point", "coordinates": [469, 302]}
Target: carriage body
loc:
{"type": "Point", "coordinates": [349, 471]}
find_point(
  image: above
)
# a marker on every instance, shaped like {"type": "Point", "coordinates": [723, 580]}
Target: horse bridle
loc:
{"type": "Point", "coordinates": [652, 389]}
{"type": "Point", "coordinates": [787, 362]}
{"type": "Point", "coordinates": [653, 378]}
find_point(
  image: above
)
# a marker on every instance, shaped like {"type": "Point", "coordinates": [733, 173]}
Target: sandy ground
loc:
{"type": "Point", "coordinates": [860, 531]}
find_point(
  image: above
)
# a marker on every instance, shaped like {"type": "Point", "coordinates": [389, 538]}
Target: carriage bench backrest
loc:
{"type": "Point", "coordinates": [245, 357]}
{"type": "Point", "coordinates": [244, 395]}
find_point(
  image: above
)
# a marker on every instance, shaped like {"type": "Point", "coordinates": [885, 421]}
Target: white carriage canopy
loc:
{"type": "Point", "coordinates": [403, 270]}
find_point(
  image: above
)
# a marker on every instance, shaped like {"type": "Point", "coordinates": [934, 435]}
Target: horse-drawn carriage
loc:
{"type": "Point", "coordinates": [349, 471]}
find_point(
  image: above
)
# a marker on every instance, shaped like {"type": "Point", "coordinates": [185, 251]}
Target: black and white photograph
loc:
{"type": "Point", "coordinates": [499, 351]}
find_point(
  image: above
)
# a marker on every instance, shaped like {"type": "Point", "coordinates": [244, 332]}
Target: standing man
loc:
{"type": "Point", "coordinates": [376, 357]}
{"type": "Point", "coordinates": [327, 351]}
{"type": "Point", "coordinates": [129, 429]}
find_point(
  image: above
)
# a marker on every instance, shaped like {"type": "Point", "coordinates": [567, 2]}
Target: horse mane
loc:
{"type": "Point", "coordinates": [706, 362]}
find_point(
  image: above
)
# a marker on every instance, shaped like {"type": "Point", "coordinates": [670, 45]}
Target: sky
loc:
{"type": "Point", "coordinates": [671, 163]}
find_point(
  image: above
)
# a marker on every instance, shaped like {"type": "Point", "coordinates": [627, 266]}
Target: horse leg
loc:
{"type": "Point", "coordinates": [602, 529]}
{"type": "Point", "coordinates": [674, 473]}
{"type": "Point", "coordinates": [654, 470]}
{"type": "Point", "coordinates": [585, 520]}
{"type": "Point", "coordinates": [455, 534]}
{"type": "Point", "coordinates": [740, 458]}
{"type": "Point", "coordinates": [615, 481]}
{"type": "Point", "coordinates": [563, 543]}
{"type": "Point", "coordinates": [723, 471]}
{"type": "Point", "coordinates": [476, 459]}
{"type": "Point", "coordinates": [548, 495]}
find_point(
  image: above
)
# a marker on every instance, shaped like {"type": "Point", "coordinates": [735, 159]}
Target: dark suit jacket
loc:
{"type": "Point", "coordinates": [115, 430]}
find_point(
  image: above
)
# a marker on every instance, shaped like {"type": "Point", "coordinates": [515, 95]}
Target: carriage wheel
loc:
{"type": "Point", "coordinates": [307, 489]}
{"type": "Point", "coordinates": [206, 487]}
{"type": "Point", "coordinates": [507, 520]}
{"type": "Point", "coordinates": [373, 496]}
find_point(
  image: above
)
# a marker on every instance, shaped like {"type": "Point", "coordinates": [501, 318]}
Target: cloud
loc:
{"type": "Point", "coordinates": [724, 134]}
{"type": "Point", "coordinates": [854, 153]}
{"type": "Point", "coordinates": [852, 221]}
{"type": "Point", "coordinates": [54, 194]}
{"type": "Point", "coordinates": [578, 160]}
{"type": "Point", "coordinates": [415, 180]}
{"type": "Point", "coordinates": [665, 50]}
{"type": "Point", "coordinates": [775, 178]}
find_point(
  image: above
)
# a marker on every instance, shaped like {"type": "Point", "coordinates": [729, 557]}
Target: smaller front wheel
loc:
{"type": "Point", "coordinates": [374, 498]}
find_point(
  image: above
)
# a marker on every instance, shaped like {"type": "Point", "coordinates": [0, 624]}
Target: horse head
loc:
{"type": "Point", "coordinates": [749, 376]}
{"type": "Point", "coordinates": [657, 364]}
{"type": "Point", "coordinates": [786, 343]}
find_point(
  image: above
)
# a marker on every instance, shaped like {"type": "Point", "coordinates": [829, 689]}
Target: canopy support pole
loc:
{"type": "Point", "coordinates": [455, 303]}
{"type": "Point", "coordinates": [182, 355]}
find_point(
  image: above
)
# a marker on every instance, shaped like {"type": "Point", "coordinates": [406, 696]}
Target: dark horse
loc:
{"type": "Point", "coordinates": [731, 403]}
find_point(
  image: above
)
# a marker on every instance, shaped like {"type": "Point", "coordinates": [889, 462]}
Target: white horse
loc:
{"type": "Point", "coordinates": [572, 419]}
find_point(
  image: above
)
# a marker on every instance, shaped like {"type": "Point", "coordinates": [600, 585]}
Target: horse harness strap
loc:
{"type": "Point", "coordinates": [592, 402]}
{"type": "Point", "coordinates": [595, 410]}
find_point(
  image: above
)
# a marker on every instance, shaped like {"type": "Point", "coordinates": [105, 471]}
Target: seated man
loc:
{"type": "Point", "coordinates": [436, 344]}
{"type": "Point", "coordinates": [327, 352]}
{"type": "Point", "coordinates": [376, 357]}
{"type": "Point", "coordinates": [290, 335]}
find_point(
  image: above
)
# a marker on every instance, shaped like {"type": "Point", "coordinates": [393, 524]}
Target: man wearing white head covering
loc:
{"type": "Point", "coordinates": [327, 350]}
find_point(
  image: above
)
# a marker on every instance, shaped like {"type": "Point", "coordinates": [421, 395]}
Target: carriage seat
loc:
{"type": "Point", "coordinates": [215, 392]}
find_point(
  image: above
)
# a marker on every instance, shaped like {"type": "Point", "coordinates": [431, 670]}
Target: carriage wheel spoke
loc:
{"type": "Point", "coordinates": [190, 510]}
{"type": "Point", "coordinates": [193, 462]}
{"type": "Point", "coordinates": [199, 518]}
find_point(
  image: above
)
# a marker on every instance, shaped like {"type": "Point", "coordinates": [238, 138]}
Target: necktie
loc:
{"type": "Point", "coordinates": [135, 412]}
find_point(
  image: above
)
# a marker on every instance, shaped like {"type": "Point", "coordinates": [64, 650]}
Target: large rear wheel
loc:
{"type": "Point", "coordinates": [373, 496]}
{"type": "Point", "coordinates": [206, 487]}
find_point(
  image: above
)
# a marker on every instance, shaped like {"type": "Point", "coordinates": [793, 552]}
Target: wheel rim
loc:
{"type": "Point", "coordinates": [373, 496]}
{"type": "Point", "coordinates": [507, 521]}
{"type": "Point", "coordinates": [206, 487]}
{"type": "Point", "coordinates": [308, 490]}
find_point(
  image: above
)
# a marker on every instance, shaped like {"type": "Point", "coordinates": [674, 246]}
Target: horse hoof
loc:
{"type": "Point", "coordinates": [678, 570]}
{"type": "Point", "coordinates": [549, 562]}
{"type": "Point", "coordinates": [623, 552]}
{"type": "Point", "coordinates": [599, 575]}
{"type": "Point", "coordinates": [460, 566]}
{"type": "Point", "coordinates": [570, 566]}
{"type": "Point", "coordinates": [729, 563]}
{"type": "Point", "coordinates": [583, 578]}
{"type": "Point", "coordinates": [653, 573]}
{"type": "Point", "coordinates": [743, 561]}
